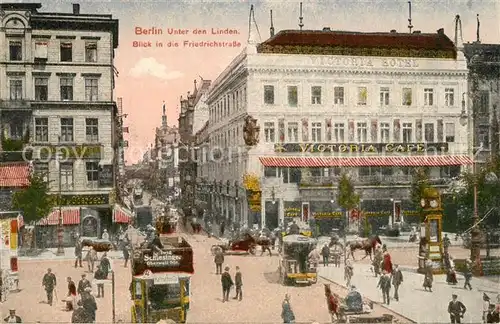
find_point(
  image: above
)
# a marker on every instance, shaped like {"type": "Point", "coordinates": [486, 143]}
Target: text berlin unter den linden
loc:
{"type": "Point", "coordinates": [219, 42]}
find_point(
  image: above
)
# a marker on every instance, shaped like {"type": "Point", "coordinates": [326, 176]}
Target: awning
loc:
{"type": "Point", "coordinates": [70, 216]}
{"type": "Point", "coordinates": [15, 175]}
{"type": "Point", "coordinates": [365, 161]}
{"type": "Point", "coordinates": [122, 215]}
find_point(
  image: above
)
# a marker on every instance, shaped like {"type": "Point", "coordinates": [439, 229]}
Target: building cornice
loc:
{"type": "Point", "coordinates": [228, 83]}
{"type": "Point", "coordinates": [343, 72]}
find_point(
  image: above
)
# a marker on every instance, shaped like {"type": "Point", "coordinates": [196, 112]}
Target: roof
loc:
{"type": "Point", "coordinates": [14, 175]}
{"type": "Point", "coordinates": [361, 40]}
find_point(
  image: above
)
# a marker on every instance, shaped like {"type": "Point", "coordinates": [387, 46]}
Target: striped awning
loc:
{"type": "Point", "coordinates": [70, 216]}
{"type": "Point", "coordinates": [365, 161]}
{"type": "Point", "coordinates": [122, 215]}
{"type": "Point", "coordinates": [15, 175]}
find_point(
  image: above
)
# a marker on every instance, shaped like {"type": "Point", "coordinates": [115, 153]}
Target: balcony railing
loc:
{"type": "Point", "coordinates": [322, 181]}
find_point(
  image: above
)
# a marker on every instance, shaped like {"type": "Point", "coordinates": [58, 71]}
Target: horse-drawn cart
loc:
{"type": "Point", "coordinates": [97, 244]}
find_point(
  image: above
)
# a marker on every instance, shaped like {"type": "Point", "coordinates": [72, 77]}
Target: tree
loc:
{"type": "Point", "coordinates": [34, 201]}
{"type": "Point", "coordinates": [420, 182]}
{"type": "Point", "coordinates": [347, 197]}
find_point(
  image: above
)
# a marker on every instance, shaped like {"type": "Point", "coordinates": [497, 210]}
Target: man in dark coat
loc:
{"type": "Point", "coordinates": [325, 252]}
{"type": "Point", "coordinates": [49, 282]}
{"type": "Point", "coordinates": [82, 284]}
{"type": "Point", "coordinates": [456, 309]}
{"type": "Point", "coordinates": [493, 315]}
{"type": "Point", "coordinates": [80, 316]}
{"type": "Point", "coordinates": [78, 253]}
{"type": "Point", "coordinates": [89, 304]}
{"type": "Point", "coordinates": [218, 260]}
{"type": "Point", "coordinates": [126, 253]}
{"type": "Point", "coordinates": [397, 280]}
{"type": "Point", "coordinates": [227, 283]}
{"type": "Point", "coordinates": [100, 275]}
{"type": "Point", "coordinates": [238, 282]}
{"type": "Point", "coordinates": [385, 285]}
{"type": "Point", "coordinates": [12, 318]}
{"type": "Point", "coordinates": [105, 264]}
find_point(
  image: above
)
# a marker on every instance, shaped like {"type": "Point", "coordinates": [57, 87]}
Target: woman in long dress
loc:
{"type": "Point", "coordinates": [286, 311]}
{"type": "Point", "coordinates": [387, 263]}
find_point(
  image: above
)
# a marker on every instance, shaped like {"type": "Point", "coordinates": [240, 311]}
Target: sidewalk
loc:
{"type": "Point", "coordinates": [69, 254]}
{"type": "Point", "coordinates": [415, 303]}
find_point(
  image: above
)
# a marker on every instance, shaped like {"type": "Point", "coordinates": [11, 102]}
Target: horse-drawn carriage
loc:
{"type": "Point", "coordinates": [97, 244]}
{"type": "Point", "coordinates": [242, 244]}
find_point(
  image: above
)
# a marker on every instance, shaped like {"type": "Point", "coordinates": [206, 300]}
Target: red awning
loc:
{"type": "Point", "coordinates": [365, 161]}
{"type": "Point", "coordinates": [121, 215]}
{"type": "Point", "coordinates": [14, 175]}
{"type": "Point", "coordinates": [70, 216]}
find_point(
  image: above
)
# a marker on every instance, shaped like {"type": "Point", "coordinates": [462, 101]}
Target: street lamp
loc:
{"type": "Point", "coordinates": [273, 196]}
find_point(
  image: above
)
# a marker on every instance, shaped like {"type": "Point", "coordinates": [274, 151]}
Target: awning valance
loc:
{"type": "Point", "coordinates": [70, 216]}
{"type": "Point", "coordinates": [365, 161]}
{"type": "Point", "coordinates": [122, 215]}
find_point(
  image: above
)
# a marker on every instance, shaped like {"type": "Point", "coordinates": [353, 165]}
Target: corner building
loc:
{"type": "Point", "coordinates": [374, 105]}
{"type": "Point", "coordinates": [57, 81]}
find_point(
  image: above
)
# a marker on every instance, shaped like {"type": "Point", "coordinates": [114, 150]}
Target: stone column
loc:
{"type": "Point", "coordinates": [235, 219]}
{"type": "Point", "coordinates": [281, 211]}
{"type": "Point", "coordinates": [263, 210]}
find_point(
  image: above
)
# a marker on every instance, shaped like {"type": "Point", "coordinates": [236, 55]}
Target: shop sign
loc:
{"type": "Point", "coordinates": [327, 214]}
{"type": "Point", "coordinates": [360, 147]}
{"type": "Point", "coordinates": [106, 175]}
{"type": "Point", "coordinates": [165, 259]}
{"type": "Point", "coordinates": [254, 200]}
{"type": "Point", "coordinates": [71, 152]}
{"type": "Point", "coordinates": [377, 213]}
{"type": "Point", "coordinates": [411, 213]}
{"type": "Point", "coordinates": [83, 200]}
{"type": "Point", "coordinates": [166, 280]}
{"type": "Point", "coordinates": [292, 212]}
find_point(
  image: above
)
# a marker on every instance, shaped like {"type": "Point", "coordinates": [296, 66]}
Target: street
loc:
{"type": "Point", "coordinates": [262, 295]}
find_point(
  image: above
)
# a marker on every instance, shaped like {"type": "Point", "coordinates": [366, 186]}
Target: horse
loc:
{"type": "Point", "coordinates": [368, 245]}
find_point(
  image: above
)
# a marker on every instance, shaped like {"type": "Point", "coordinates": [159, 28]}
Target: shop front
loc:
{"type": "Point", "coordinates": [327, 216]}
{"type": "Point", "coordinates": [292, 212]}
{"type": "Point", "coordinates": [378, 213]}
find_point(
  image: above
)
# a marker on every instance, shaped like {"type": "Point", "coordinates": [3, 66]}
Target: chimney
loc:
{"type": "Point", "coordinates": [393, 31]}
{"type": "Point", "coordinates": [326, 29]}
{"type": "Point", "coordinates": [76, 8]}
{"type": "Point", "coordinates": [440, 31]}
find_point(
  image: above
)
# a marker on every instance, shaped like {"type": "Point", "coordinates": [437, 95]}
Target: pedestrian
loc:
{"type": "Point", "coordinates": [79, 316]}
{"type": "Point", "coordinates": [12, 318]}
{"type": "Point", "coordinates": [332, 302]}
{"type": "Point", "coordinates": [348, 272]}
{"type": "Point", "coordinates": [1, 285]}
{"type": "Point", "coordinates": [71, 296]}
{"type": "Point", "coordinates": [384, 284]}
{"type": "Point", "coordinates": [126, 254]}
{"type": "Point", "coordinates": [227, 283]}
{"type": "Point", "coordinates": [313, 258]}
{"type": "Point", "coordinates": [456, 309]}
{"type": "Point", "coordinates": [100, 275]}
{"type": "Point", "coordinates": [105, 235]}
{"type": "Point", "coordinates": [105, 265]}
{"type": "Point", "coordinates": [486, 306]}
{"type": "Point", "coordinates": [325, 252]}
{"type": "Point", "coordinates": [219, 260]}
{"type": "Point", "coordinates": [78, 253]}
{"type": "Point", "coordinates": [89, 304]}
{"type": "Point", "coordinates": [387, 263]}
{"type": "Point", "coordinates": [377, 260]}
{"type": "Point", "coordinates": [286, 310]}
{"type": "Point", "coordinates": [428, 276]}
{"type": "Point", "coordinates": [238, 283]}
{"type": "Point", "coordinates": [222, 228]}
{"type": "Point", "coordinates": [446, 243]}
{"type": "Point", "coordinates": [468, 274]}
{"type": "Point", "coordinates": [493, 315]}
{"type": "Point", "coordinates": [397, 280]}
{"type": "Point", "coordinates": [82, 284]}
{"type": "Point", "coordinates": [49, 282]}
{"type": "Point", "coordinates": [91, 258]}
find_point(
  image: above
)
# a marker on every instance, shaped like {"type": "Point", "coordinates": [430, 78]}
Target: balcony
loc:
{"type": "Point", "coordinates": [370, 180]}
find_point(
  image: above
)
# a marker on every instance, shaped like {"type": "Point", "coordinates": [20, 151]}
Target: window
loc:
{"type": "Point", "coordinates": [293, 132]}
{"type": "Point", "coordinates": [338, 132]}
{"type": "Point", "coordinates": [92, 129]}
{"type": "Point", "coordinates": [429, 132]}
{"type": "Point", "coordinates": [269, 94]}
{"type": "Point", "coordinates": [362, 130]}
{"type": "Point", "coordinates": [16, 50]}
{"type": "Point", "coordinates": [483, 135]}
{"type": "Point", "coordinates": [428, 97]}
{"type": "Point", "coordinates": [449, 97]}
{"type": "Point", "coordinates": [269, 132]}
{"type": "Point", "coordinates": [407, 133]}
{"type": "Point", "coordinates": [66, 175]}
{"type": "Point", "coordinates": [66, 52]}
{"type": "Point", "coordinates": [91, 52]}
{"type": "Point", "coordinates": [42, 170]}
{"type": "Point", "coordinates": [66, 88]}
{"type": "Point", "coordinates": [362, 96]}
{"type": "Point", "coordinates": [316, 132]}
{"type": "Point", "coordinates": [91, 89]}
{"type": "Point", "coordinates": [66, 129]}
{"type": "Point", "coordinates": [316, 95]}
{"type": "Point", "coordinates": [338, 95]}
{"type": "Point", "coordinates": [407, 96]}
{"type": "Point", "coordinates": [384, 132]}
{"type": "Point", "coordinates": [92, 169]}
{"type": "Point", "coordinates": [41, 50]}
{"type": "Point", "coordinates": [41, 89]}
{"type": "Point", "coordinates": [16, 89]}
{"type": "Point", "coordinates": [484, 102]}
{"type": "Point", "coordinates": [293, 98]}
{"type": "Point", "coordinates": [449, 130]}
{"type": "Point", "coordinates": [41, 129]}
{"type": "Point", "coordinates": [384, 96]}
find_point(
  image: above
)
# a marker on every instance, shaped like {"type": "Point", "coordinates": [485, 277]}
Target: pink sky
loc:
{"type": "Point", "coordinates": [148, 76]}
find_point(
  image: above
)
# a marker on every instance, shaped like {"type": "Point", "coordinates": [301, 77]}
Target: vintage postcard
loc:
{"type": "Point", "coordinates": [267, 161]}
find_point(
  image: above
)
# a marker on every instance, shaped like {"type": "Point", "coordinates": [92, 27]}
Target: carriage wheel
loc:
{"type": "Point", "coordinates": [214, 249]}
